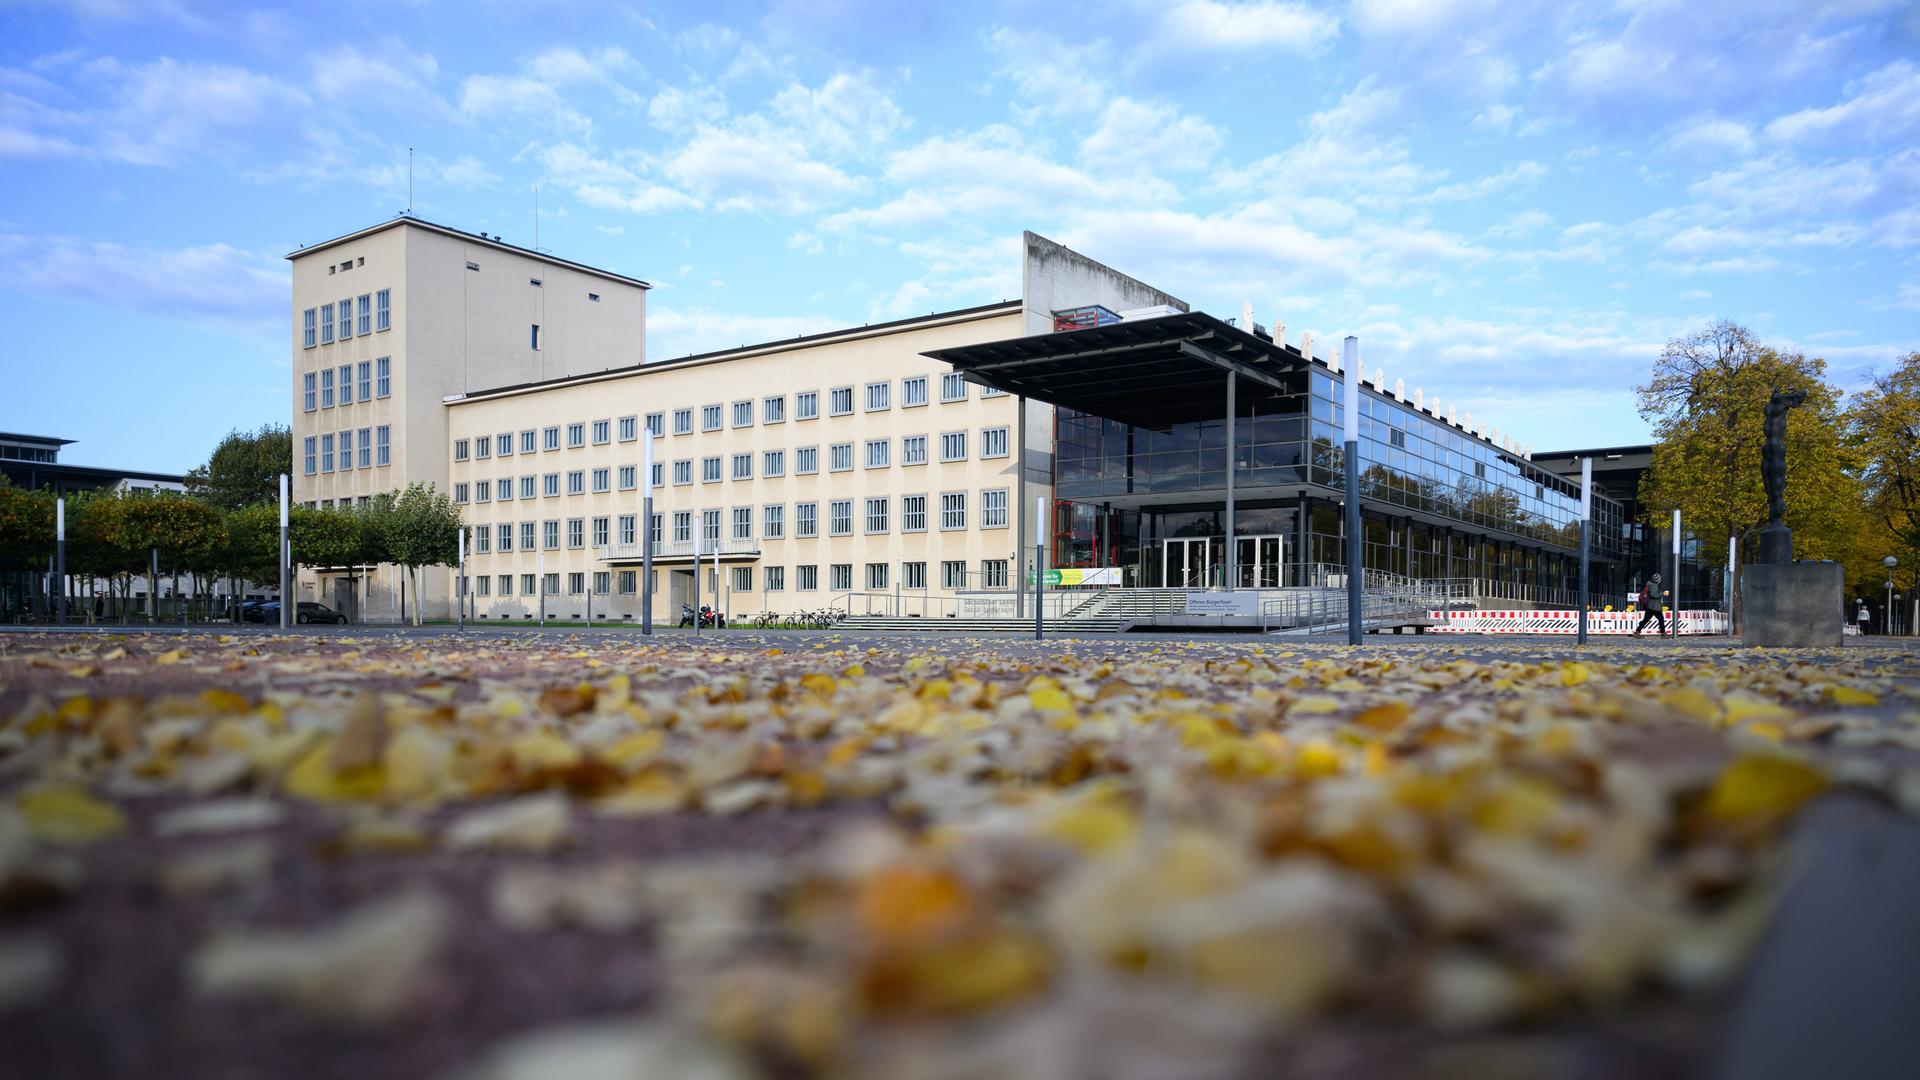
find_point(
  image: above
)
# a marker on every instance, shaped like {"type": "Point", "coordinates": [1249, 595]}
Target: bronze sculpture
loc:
{"type": "Point", "coordinates": [1773, 452]}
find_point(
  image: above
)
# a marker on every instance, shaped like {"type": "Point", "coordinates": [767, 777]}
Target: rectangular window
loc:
{"type": "Point", "coordinates": [879, 453]}
{"type": "Point", "coordinates": [743, 523]}
{"type": "Point", "coordinates": [913, 513]}
{"type": "Point", "coordinates": [550, 485]}
{"type": "Point", "coordinates": [483, 446]}
{"type": "Point", "coordinates": [773, 521]}
{"type": "Point", "coordinates": [993, 573]}
{"type": "Point", "coordinates": [743, 466]}
{"type": "Point", "coordinates": [913, 575]}
{"type": "Point", "coordinates": [659, 474]}
{"type": "Point", "coordinates": [710, 526]}
{"type": "Point", "coordinates": [913, 450]}
{"type": "Point", "coordinates": [307, 328]}
{"type": "Point", "coordinates": [682, 526]}
{"type": "Point", "coordinates": [840, 457]}
{"type": "Point", "coordinates": [603, 479]}
{"type": "Point", "coordinates": [576, 436]}
{"type": "Point", "coordinates": [657, 423]}
{"type": "Point", "coordinates": [683, 471]}
{"type": "Point", "coordinates": [710, 469]}
{"type": "Point", "coordinates": [913, 391]}
{"type": "Point", "coordinates": [364, 308]}
{"type": "Point", "coordinates": [743, 579]}
{"type": "Point", "coordinates": [527, 489]}
{"type": "Point", "coordinates": [840, 401]}
{"type": "Point", "coordinates": [806, 461]}
{"type": "Point", "coordinates": [953, 575]}
{"type": "Point", "coordinates": [654, 528]}
{"type": "Point", "coordinates": [326, 324]}
{"type": "Point", "coordinates": [629, 477]}
{"type": "Point", "coordinates": [503, 445]}
{"type": "Point", "coordinates": [460, 449]}
{"type": "Point", "coordinates": [531, 585]}
{"type": "Point", "coordinates": [603, 431]}
{"type": "Point", "coordinates": [953, 387]}
{"type": "Point", "coordinates": [773, 463]}
{"type": "Point", "coordinates": [773, 410]}
{"type": "Point", "coordinates": [459, 493]}
{"type": "Point", "coordinates": [326, 453]}
{"type": "Point", "coordinates": [550, 438]}
{"type": "Point", "coordinates": [503, 490]}
{"type": "Point", "coordinates": [627, 523]}
{"type": "Point", "coordinates": [876, 576]}
{"type": "Point", "coordinates": [953, 510]}
{"type": "Point", "coordinates": [806, 405]}
{"type": "Point", "coordinates": [709, 418]}
{"type": "Point", "coordinates": [553, 584]}
{"type": "Point", "coordinates": [743, 413]}
{"type": "Point", "coordinates": [550, 535]}
{"type": "Point", "coordinates": [506, 538]}
{"type": "Point", "coordinates": [346, 450]}
{"type": "Point", "coordinates": [683, 421]}
{"type": "Point", "coordinates": [346, 384]}
{"type": "Point", "coordinates": [879, 396]}
{"type": "Point", "coordinates": [577, 482]}
{"type": "Point", "coordinates": [953, 446]}
{"type": "Point", "coordinates": [382, 377]}
{"type": "Point", "coordinates": [629, 582]}
{"type": "Point", "coordinates": [366, 381]}
{"type": "Point", "coordinates": [877, 515]}
{"type": "Point", "coordinates": [776, 578]}
{"type": "Point", "coordinates": [988, 391]}
{"type": "Point", "coordinates": [533, 336]}
{"type": "Point", "coordinates": [308, 395]}
{"type": "Point", "coordinates": [382, 445]}
{"type": "Point", "coordinates": [346, 319]}
{"type": "Point", "coordinates": [806, 519]}
{"type": "Point", "coordinates": [840, 577]}
{"type": "Point", "coordinates": [309, 455]}
{"type": "Point", "coordinates": [993, 442]}
{"type": "Point", "coordinates": [326, 388]}
{"type": "Point", "coordinates": [576, 532]}
{"type": "Point", "coordinates": [840, 517]}
{"type": "Point", "coordinates": [526, 535]}
{"type": "Point", "coordinates": [600, 525]}
{"type": "Point", "coordinates": [993, 509]}
{"type": "Point", "coordinates": [602, 582]}
{"type": "Point", "coordinates": [506, 584]}
{"type": "Point", "coordinates": [482, 541]}
{"type": "Point", "coordinates": [382, 310]}
{"type": "Point", "coordinates": [483, 491]}
{"type": "Point", "coordinates": [366, 448]}
{"type": "Point", "coordinates": [629, 428]}
{"type": "Point", "coordinates": [806, 578]}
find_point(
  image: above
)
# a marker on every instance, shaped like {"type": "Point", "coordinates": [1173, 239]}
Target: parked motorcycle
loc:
{"type": "Point", "coordinates": [709, 619]}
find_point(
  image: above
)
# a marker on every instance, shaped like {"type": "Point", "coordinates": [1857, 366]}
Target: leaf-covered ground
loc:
{"type": "Point", "coordinates": [807, 855]}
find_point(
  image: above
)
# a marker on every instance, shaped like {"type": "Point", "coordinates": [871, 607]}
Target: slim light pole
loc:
{"type": "Point", "coordinates": [286, 553]}
{"type": "Point", "coordinates": [699, 534]}
{"type": "Point", "coordinates": [540, 571]}
{"type": "Point", "coordinates": [1586, 530]}
{"type": "Point", "coordinates": [646, 532]}
{"type": "Point", "coordinates": [1676, 576]}
{"type": "Point", "coordinates": [60, 555]}
{"type": "Point", "coordinates": [153, 585]}
{"type": "Point", "coordinates": [1886, 621]}
{"type": "Point", "coordinates": [1350, 360]}
{"type": "Point", "coordinates": [1039, 565]}
{"type": "Point", "coordinates": [460, 590]}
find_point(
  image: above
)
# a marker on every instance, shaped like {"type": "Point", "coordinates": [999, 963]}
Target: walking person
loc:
{"type": "Point", "coordinates": [1653, 607]}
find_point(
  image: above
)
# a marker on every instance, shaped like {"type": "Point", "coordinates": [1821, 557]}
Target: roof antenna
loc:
{"type": "Point", "coordinates": [409, 181]}
{"type": "Point", "coordinates": [536, 217]}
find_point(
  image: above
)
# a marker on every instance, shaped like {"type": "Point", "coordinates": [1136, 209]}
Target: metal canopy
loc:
{"type": "Point", "coordinates": [1151, 373]}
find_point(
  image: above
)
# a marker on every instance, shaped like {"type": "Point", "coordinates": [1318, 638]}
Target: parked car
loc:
{"type": "Point", "coordinates": [305, 612]}
{"type": "Point", "coordinates": [247, 610]}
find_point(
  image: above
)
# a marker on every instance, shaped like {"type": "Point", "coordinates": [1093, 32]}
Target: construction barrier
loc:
{"type": "Point", "coordinates": [1568, 622]}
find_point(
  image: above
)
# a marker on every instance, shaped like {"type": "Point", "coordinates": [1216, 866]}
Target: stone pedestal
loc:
{"type": "Point", "coordinates": [1776, 545]}
{"type": "Point", "coordinates": [1793, 604]}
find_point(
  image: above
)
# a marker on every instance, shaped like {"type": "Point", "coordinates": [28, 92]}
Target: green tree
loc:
{"type": "Point", "coordinates": [1706, 402]}
{"type": "Point", "coordinates": [422, 529]}
{"type": "Point", "coordinates": [245, 468]}
{"type": "Point", "coordinates": [249, 548]}
{"type": "Point", "coordinates": [185, 532]}
{"type": "Point", "coordinates": [1885, 420]}
{"type": "Point", "coordinates": [26, 527]}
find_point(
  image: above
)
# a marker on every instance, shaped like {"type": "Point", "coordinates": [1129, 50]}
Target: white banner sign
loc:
{"type": "Point", "coordinates": [1223, 603]}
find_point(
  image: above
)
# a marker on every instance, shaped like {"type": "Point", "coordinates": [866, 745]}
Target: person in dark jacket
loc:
{"type": "Point", "coordinates": [1652, 606]}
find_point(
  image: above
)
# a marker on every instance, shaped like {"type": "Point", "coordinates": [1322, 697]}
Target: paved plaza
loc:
{"type": "Point", "coordinates": [407, 854]}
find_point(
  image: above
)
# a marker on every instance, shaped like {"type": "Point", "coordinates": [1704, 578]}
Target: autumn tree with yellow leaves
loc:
{"type": "Point", "coordinates": [1886, 433]}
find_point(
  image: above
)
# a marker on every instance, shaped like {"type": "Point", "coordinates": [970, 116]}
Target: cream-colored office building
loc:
{"type": "Point", "coordinates": [840, 469]}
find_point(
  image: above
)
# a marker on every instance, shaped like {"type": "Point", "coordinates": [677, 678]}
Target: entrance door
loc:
{"type": "Point", "coordinates": [1186, 563]}
{"type": "Point", "coordinates": [679, 591]}
{"type": "Point", "coordinates": [1261, 561]}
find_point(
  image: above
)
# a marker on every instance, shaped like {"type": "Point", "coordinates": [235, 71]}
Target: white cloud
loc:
{"type": "Point", "coordinates": [675, 331]}
{"type": "Point", "coordinates": [487, 98]}
{"type": "Point", "coordinates": [1415, 18]}
{"type": "Point", "coordinates": [1518, 174]}
{"type": "Point", "coordinates": [847, 116]}
{"type": "Point", "coordinates": [394, 76]}
{"type": "Point", "coordinates": [680, 111]}
{"type": "Point", "coordinates": [211, 284]}
{"type": "Point", "coordinates": [754, 166]}
{"type": "Point", "coordinates": [1211, 26]}
{"type": "Point", "coordinates": [1883, 105]}
{"type": "Point", "coordinates": [1521, 224]}
{"type": "Point", "coordinates": [1136, 135]}
{"type": "Point", "coordinates": [1496, 117]}
{"type": "Point", "coordinates": [609, 184]}
{"type": "Point", "coordinates": [1711, 136]}
{"type": "Point", "coordinates": [1051, 77]}
{"type": "Point", "coordinates": [169, 113]}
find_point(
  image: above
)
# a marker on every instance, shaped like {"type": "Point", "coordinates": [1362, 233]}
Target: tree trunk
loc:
{"type": "Point", "coordinates": [418, 612]}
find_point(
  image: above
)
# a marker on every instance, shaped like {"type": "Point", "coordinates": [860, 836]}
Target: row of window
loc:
{"type": "Point", "coordinates": [370, 313]}
{"type": "Point", "coordinates": [318, 452]}
{"type": "Point", "coordinates": [877, 518]}
{"type": "Point", "coordinates": [806, 578]}
{"type": "Point", "coordinates": [773, 464]}
{"type": "Point", "coordinates": [318, 388]}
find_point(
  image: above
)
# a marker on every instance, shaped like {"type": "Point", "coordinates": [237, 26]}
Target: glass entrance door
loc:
{"type": "Point", "coordinates": [1260, 561]}
{"type": "Point", "coordinates": [1186, 564]}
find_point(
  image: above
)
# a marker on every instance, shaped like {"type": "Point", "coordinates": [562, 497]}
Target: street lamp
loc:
{"type": "Point", "coordinates": [1886, 622]}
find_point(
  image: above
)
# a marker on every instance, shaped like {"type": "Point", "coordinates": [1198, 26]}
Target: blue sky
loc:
{"type": "Point", "coordinates": [1513, 204]}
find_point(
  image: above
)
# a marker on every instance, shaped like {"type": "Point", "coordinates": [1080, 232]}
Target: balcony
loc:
{"type": "Point", "coordinates": [668, 551]}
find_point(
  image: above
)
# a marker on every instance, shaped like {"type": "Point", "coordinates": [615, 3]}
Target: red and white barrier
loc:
{"type": "Point", "coordinates": [1620, 623]}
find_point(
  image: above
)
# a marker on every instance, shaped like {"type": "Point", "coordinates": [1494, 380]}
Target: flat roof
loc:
{"type": "Point", "coordinates": [37, 440]}
{"type": "Point", "coordinates": [462, 234]}
{"type": "Point", "coordinates": [804, 341]}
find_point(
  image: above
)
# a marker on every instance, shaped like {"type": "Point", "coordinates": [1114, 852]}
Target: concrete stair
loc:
{"type": "Point", "coordinates": [1072, 624]}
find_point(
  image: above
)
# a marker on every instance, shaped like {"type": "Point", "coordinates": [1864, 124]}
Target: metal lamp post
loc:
{"type": "Point", "coordinates": [1350, 359]}
{"type": "Point", "coordinates": [1886, 621]}
{"type": "Point", "coordinates": [286, 556]}
{"type": "Point", "coordinates": [1586, 528]}
{"type": "Point", "coordinates": [646, 531]}
{"type": "Point", "coordinates": [1039, 563]}
{"type": "Point", "coordinates": [60, 554]}
{"type": "Point", "coordinates": [1675, 627]}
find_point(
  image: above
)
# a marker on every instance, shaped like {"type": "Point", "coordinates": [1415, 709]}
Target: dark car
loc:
{"type": "Point", "coordinates": [306, 612]}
